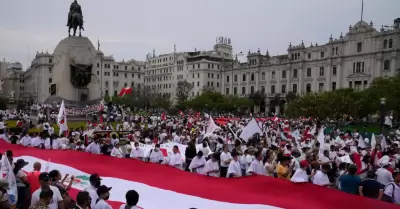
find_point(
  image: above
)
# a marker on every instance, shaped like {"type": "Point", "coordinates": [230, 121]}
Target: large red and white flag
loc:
{"type": "Point", "coordinates": [161, 186]}
{"type": "Point", "coordinates": [62, 118]}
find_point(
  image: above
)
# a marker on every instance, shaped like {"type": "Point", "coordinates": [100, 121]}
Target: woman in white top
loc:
{"type": "Point", "coordinates": [212, 168]}
{"type": "Point", "coordinates": [116, 152]}
{"type": "Point", "coordinates": [270, 165]}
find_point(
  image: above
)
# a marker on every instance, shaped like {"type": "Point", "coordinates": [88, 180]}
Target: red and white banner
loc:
{"type": "Point", "coordinates": [125, 91]}
{"type": "Point", "coordinates": [161, 186]}
{"type": "Point", "coordinates": [62, 118]}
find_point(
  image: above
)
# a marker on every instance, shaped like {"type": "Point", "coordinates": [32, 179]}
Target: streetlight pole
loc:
{"type": "Point", "coordinates": [382, 106]}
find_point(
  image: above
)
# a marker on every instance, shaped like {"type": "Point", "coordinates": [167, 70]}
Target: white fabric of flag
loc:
{"type": "Point", "coordinates": [211, 127]}
{"type": "Point", "coordinates": [8, 174]}
{"type": "Point", "coordinates": [251, 129]}
{"type": "Point", "coordinates": [62, 118]}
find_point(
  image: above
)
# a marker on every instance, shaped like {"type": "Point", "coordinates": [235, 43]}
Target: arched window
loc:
{"type": "Point", "coordinates": [244, 77]}
{"type": "Point", "coordinates": [284, 74]}
{"type": "Point", "coordinates": [385, 42]}
{"type": "Point", "coordinates": [386, 65]}
{"type": "Point", "coordinates": [273, 74]}
{"type": "Point", "coordinates": [252, 77]}
{"type": "Point", "coordinates": [390, 43]}
{"type": "Point", "coordinates": [295, 73]}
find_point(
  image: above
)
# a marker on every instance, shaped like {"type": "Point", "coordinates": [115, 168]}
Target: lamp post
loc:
{"type": "Point", "coordinates": [382, 105]}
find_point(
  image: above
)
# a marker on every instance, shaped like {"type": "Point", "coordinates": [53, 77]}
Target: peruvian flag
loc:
{"type": "Point", "coordinates": [125, 91]}
{"type": "Point", "coordinates": [62, 118]}
{"type": "Point", "coordinates": [163, 116]}
{"type": "Point", "coordinates": [158, 184]}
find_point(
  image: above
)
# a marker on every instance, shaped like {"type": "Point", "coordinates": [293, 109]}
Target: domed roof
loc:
{"type": "Point", "coordinates": [361, 26]}
{"type": "Point", "coordinates": [74, 42]}
{"type": "Point", "coordinates": [15, 65]}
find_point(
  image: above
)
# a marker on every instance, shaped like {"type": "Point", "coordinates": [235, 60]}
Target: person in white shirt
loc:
{"type": "Point", "coordinates": [94, 147]}
{"type": "Point", "coordinates": [114, 139]}
{"type": "Point", "coordinates": [321, 178]}
{"type": "Point", "coordinates": [155, 155]}
{"type": "Point", "coordinates": [225, 159]}
{"type": "Point", "coordinates": [234, 169]}
{"type": "Point", "coordinates": [257, 167]}
{"type": "Point", "coordinates": [383, 175]}
{"type": "Point", "coordinates": [116, 151]}
{"type": "Point", "coordinates": [36, 142]}
{"type": "Point", "coordinates": [212, 168]}
{"type": "Point", "coordinates": [132, 198]}
{"type": "Point", "coordinates": [198, 163]}
{"type": "Point", "coordinates": [56, 144]}
{"type": "Point", "coordinates": [57, 202]}
{"type": "Point", "coordinates": [300, 176]}
{"type": "Point", "coordinates": [104, 194]}
{"type": "Point", "coordinates": [175, 160]}
{"type": "Point", "coordinates": [95, 182]}
{"type": "Point", "coordinates": [137, 152]}
{"type": "Point", "coordinates": [25, 140]}
{"type": "Point", "coordinates": [47, 143]}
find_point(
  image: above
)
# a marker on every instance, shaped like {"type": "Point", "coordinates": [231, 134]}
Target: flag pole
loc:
{"type": "Point", "coordinates": [362, 9]}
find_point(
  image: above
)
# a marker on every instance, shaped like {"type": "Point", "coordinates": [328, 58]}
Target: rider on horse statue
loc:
{"type": "Point", "coordinates": [74, 8]}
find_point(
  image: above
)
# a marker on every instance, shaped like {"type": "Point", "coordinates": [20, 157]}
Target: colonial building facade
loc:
{"type": "Point", "coordinates": [351, 60]}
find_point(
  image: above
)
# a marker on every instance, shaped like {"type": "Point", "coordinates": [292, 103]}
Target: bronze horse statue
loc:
{"type": "Point", "coordinates": [76, 21]}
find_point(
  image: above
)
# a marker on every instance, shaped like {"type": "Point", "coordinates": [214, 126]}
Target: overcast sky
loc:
{"type": "Point", "coordinates": [132, 28]}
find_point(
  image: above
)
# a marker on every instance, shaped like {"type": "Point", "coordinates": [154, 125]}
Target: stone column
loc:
{"type": "Point", "coordinates": [339, 76]}
{"type": "Point", "coordinates": [329, 78]}
{"type": "Point", "coordinates": [301, 80]}
{"type": "Point", "coordinates": [393, 66]}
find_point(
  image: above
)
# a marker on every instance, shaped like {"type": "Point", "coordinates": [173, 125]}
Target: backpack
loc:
{"type": "Point", "coordinates": [387, 198]}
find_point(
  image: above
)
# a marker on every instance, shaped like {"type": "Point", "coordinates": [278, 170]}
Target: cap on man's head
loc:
{"type": "Point", "coordinates": [94, 177]}
{"type": "Point", "coordinates": [9, 153]}
{"type": "Point", "coordinates": [103, 189]}
{"type": "Point", "coordinates": [44, 176]}
{"type": "Point", "coordinates": [4, 184]}
{"type": "Point", "coordinates": [21, 162]}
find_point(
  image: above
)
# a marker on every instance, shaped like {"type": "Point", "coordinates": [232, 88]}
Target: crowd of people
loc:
{"type": "Point", "coordinates": [298, 150]}
{"type": "Point", "coordinates": [50, 190]}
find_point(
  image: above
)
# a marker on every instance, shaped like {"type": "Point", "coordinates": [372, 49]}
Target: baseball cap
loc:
{"type": "Point", "coordinates": [103, 189]}
{"type": "Point", "coordinates": [94, 177]}
{"type": "Point", "coordinates": [44, 176]}
{"type": "Point", "coordinates": [4, 184]}
{"type": "Point", "coordinates": [21, 162]}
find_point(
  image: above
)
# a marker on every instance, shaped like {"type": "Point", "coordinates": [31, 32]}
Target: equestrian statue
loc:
{"type": "Point", "coordinates": [75, 18]}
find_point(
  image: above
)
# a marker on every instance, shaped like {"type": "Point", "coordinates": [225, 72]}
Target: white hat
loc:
{"type": "Point", "coordinates": [384, 161]}
{"type": "Point", "coordinates": [366, 140]}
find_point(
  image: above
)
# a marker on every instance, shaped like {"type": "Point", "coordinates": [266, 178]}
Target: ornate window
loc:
{"type": "Point", "coordinates": [386, 65]}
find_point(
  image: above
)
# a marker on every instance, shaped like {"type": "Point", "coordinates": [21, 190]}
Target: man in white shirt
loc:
{"type": "Point", "coordinates": [321, 177]}
{"type": "Point", "coordinates": [300, 176]}
{"type": "Point", "coordinates": [94, 147]}
{"type": "Point", "coordinates": [132, 198]}
{"type": "Point", "coordinates": [95, 182]}
{"type": "Point", "coordinates": [234, 169]}
{"type": "Point", "coordinates": [104, 194]}
{"type": "Point", "coordinates": [198, 163]}
{"type": "Point", "coordinates": [257, 167]}
{"type": "Point", "coordinates": [137, 152]}
{"type": "Point", "coordinates": [25, 140]}
{"type": "Point", "coordinates": [57, 202]}
{"type": "Point", "coordinates": [175, 160]}
{"type": "Point", "coordinates": [384, 176]}
{"type": "Point", "coordinates": [225, 159]}
{"type": "Point", "coordinates": [155, 155]}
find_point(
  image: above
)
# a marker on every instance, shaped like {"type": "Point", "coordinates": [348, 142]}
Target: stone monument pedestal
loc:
{"type": "Point", "coordinates": [74, 56]}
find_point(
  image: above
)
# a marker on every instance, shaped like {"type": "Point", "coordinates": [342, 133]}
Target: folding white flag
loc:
{"type": "Point", "coordinates": [373, 141]}
{"type": "Point", "coordinates": [8, 174]}
{"type": "Point", "coordinates": [383, 142]}
{"type": "Point", "coordinates": [361, 143]}
{"type": "Point", "coordinates": [211, 127]}
{"type": "Point", "coordinates": [321, 140]}
{"type": "Point", "coordinates": [251, 129]}
{"type": "Point", "coordinates": [62, 119]}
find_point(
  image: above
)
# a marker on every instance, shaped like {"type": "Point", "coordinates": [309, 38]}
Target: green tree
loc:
{"type": "Point", "coordinates": [182, 91]}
